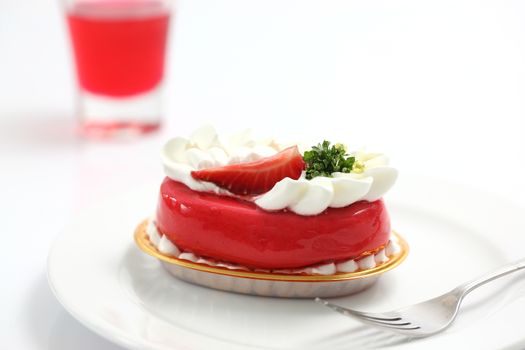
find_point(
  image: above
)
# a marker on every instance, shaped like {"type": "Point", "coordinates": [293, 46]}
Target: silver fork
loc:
{"type": "Point", "coordinates": [428, 317]}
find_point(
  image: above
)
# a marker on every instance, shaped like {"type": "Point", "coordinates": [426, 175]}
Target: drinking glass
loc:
{"type": "Point", "coordinates": [119, 48]}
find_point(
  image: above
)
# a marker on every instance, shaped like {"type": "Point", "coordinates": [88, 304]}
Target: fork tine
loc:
{"type": "Point", "coordinates": [377, 322]}
{"type": "Point", "coordinates": [382, 321]}
{"type": "Point", "coordinates": [346, 312]}
{"type": "Point", "coordinates": [375, 318]}
{"type": "Point", "coordinates": [391, 324]}
{"type": "Point", "coordinates": [334, 307]}
{"type": "Point", "coordinates": [397, 326]}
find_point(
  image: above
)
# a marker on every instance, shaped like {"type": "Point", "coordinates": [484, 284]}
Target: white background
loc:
{"type": "Point", "coordinates": [438, 85]}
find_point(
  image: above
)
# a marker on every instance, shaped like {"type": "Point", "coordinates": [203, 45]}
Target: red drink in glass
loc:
{"type": "Point", "coordinates": [119, 48]}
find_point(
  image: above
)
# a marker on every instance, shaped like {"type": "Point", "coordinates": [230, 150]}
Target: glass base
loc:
{"type": "Point", "coordinates": [119, 117]}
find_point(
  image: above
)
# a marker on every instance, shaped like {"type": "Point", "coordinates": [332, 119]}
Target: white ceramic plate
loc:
{"type": "Point", "coordinates": [102, 279]}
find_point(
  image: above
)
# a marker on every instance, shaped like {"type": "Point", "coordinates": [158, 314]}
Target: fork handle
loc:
{"type": "Point", "coordinates": [499, 272]}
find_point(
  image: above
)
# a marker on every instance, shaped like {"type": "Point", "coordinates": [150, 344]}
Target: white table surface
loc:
{"type": "Point", "coordinates": [438, 85]}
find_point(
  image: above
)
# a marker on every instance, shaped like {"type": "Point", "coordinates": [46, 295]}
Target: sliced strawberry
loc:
{"type": "Point", "coordinates": [255, 177]}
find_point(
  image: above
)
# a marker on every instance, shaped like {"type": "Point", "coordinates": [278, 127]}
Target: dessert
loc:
{"type": "Point", "coordinates": [262, 206]}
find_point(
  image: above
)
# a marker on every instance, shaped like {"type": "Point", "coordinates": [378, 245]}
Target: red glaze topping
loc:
{"type": "Point", "coordinates": [234, 230]}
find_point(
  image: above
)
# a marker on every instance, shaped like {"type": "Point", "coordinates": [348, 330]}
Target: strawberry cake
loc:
{"type": "Point", "coordinates": [259, 205]}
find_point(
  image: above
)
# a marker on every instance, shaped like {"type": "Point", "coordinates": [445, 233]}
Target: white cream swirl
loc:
{"type": "Point", "coordinates": [311, 197]}
{"type": "Point", "coordinates": [204, 149]}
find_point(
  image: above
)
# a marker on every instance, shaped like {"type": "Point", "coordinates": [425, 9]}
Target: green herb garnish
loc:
{"type": "Point", "coordinates": [323, 160]}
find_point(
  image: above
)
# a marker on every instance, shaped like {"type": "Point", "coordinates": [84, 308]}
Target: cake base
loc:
{"type": "Point", "coordinates": [270, 284]}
